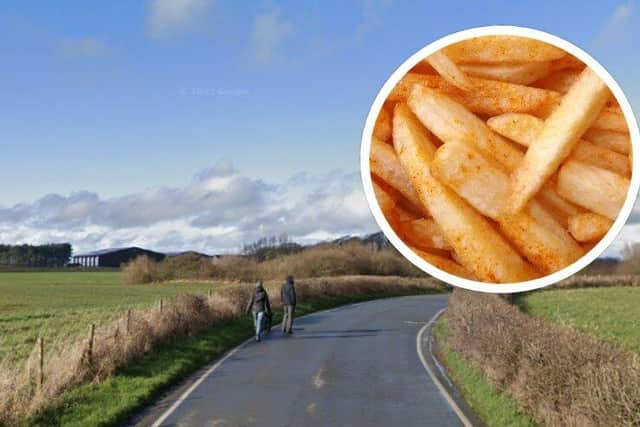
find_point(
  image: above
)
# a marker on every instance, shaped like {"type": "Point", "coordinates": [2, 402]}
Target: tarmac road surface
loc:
{"type": "Point", "coordinates": [355, 365]}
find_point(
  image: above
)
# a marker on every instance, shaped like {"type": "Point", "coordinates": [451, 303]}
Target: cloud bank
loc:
{"type": "Point", "coordinates": [218, 211]}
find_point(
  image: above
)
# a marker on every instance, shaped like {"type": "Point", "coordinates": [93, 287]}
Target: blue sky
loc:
{"type": "Point", "coordinates": [115, 109]}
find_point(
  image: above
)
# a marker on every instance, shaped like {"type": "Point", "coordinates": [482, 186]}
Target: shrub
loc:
{"type": "Point", "coordinates": [141, 270]}
{"type": "Point", "coordinates": [335, 259]}
{"type": "Point", "coordinates": [181, 266]}
{"type": "Point", "coordinates": [325, 260]}
{"type": "Point", "coordinates": [559, 376]}
{"type": "Point", "coordinates": [232, 267]}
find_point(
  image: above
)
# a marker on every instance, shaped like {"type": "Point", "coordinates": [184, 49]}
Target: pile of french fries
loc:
{"type": "Point", "coordinates": [500, 159]}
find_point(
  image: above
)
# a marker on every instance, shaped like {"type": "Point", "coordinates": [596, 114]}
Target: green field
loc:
{"type": "Point", "coordinates": [609, 313]}
{"type": "Point", "coordinates": [62, 304]}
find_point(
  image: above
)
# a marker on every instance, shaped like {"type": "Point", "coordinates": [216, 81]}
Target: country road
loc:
{"type": "Point", "coordinates": [351, 366]}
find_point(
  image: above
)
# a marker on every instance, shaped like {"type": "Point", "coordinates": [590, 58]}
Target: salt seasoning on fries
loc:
{"type": "Point", "coordinates": [513, 155]}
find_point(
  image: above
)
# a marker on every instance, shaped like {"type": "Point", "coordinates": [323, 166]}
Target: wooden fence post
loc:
{"type": "Point", "coordinates": [128, 320]}
{"type": "Point", "coordinates": [40, 363]}
{"type": "Point", "coordinates": [160, 305]}
{"type": "Point", "coordinates": [92, 332]}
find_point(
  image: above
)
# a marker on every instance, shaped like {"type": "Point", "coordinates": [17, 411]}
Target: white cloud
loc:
{"type": "Point", "coordinates": [617, 27]}
{"type": "Point", "coordinates": [269, 31]}
{"type": "Point", "coordinates": [218, 211]}
{"type": "Point", "coordinates": [168, 17]}
{"type": "Point", "coordinates": [372, 13]}
{"type": "Point", "coordinates": [88, 47]}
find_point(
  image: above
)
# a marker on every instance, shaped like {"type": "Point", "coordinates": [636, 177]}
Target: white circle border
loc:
{"type": "Point", "coordinates": [474, 285]}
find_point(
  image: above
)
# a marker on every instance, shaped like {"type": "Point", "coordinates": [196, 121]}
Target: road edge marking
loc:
{"type": "Point", "coordinates": [441, 388]}
{"type": "Point", "coordinates": [166, 414]}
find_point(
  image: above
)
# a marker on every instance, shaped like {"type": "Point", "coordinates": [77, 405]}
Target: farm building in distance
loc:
{"type": "Point", "coordinates": [113, 257]}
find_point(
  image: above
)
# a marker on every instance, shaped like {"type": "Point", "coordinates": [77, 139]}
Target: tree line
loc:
{"type": "Point", "coordinates": [50, 255]}
{"type": "Point", "coordinates": [267, 248]}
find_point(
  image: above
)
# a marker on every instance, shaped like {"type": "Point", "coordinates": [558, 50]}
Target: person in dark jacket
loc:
{"type": "Point", "coordinates": [288, 298]}
{"type": "Point", "coordinates": [260, 307]}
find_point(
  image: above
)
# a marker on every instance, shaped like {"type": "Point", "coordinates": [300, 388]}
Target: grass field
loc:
{"type": "Point", "coordinates": [608, 313]}
{"type": "Point", "coordinates": [62, 304]}
{"type": "Point", "coordinates": [113, 401]}
{"type": "Point", "coordinates": [491, 406]}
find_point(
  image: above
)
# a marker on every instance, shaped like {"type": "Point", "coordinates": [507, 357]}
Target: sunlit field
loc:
{"type": "Point", "coordinates": [62, 304]}
{"type": "Point", "coordinates": [609, 313]}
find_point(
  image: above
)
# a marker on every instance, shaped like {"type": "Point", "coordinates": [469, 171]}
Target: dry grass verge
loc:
{"type": "Point", "coordinates": [116, 344]}
{"type": "Point", "coordinates": [560, 377]}
{"type": "Point", "coordinates": [327, 260]}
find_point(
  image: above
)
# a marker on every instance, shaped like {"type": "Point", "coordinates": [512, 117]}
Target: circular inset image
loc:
{"type": "Point", "coordinates": [500, 159]}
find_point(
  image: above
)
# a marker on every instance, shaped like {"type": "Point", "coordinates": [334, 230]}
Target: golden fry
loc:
{"type": "Point", "coordinates": [476, 244]}
{"type": "Point", "coordinates": [525, 128]}
{"type": "Point", "coordinates": [567, 62]}
{"type": "Point", "coordinates": [616, 141]}
{"type": "Point", "coordinates": [589, 227]}
{"type": "Point", "coordinates": [484, 96]}
{"type": "Point", "coordinates": [560, 81]}
{"type": "Point", "coordinates": [522, 73]}
{"type": "Point", "coordinates": [508, 159]}
{"type": "Point", "coordinates": [534, 232]}
{"type": "Point", "coordinates": [596, 189]}
{"type": "Point", "coordinates": [382, 127]}
{"type": "Point", "coordinates": [474, 178]}
{"type": "Point", "coordinates": [385, 201]}
{"type": "Point", "coordinates": [446, 264]}
{"type": "Point", "coordinates": [508, 49]}
{"type": "Point", "coordinates": [424, 233]}
{"type": "Point", "coordinates": [448, 70]}
{"type": "Point", "coordinates": [385, 164]}
{"type": "Point", "coordinates": [450, 121]}
{"type": "Point", "coordinates": [558, 136]}
{"type": "Point", "coordinates": [612, 119]}
{"type": "Point", "coordinates": [556, 205]}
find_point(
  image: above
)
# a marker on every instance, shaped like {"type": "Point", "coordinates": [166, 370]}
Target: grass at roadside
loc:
{"type": "Point", "coordinates": [113, 401]}
{"type": "Point", "coordinates": [491, 406]}
{"type": "Point", "coordinates": [62, 304]}
{"type": "Point", "coordinates": [608, 313]}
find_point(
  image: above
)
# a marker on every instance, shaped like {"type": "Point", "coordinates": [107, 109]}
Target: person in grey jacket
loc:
{"type": "Point", "coordinates": [260, 307]}
{"type": "Point", "coordinates": [288, 298]}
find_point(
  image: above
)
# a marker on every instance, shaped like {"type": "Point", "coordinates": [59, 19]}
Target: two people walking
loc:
{"type": "Point", "coordinates": [260, 306]}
